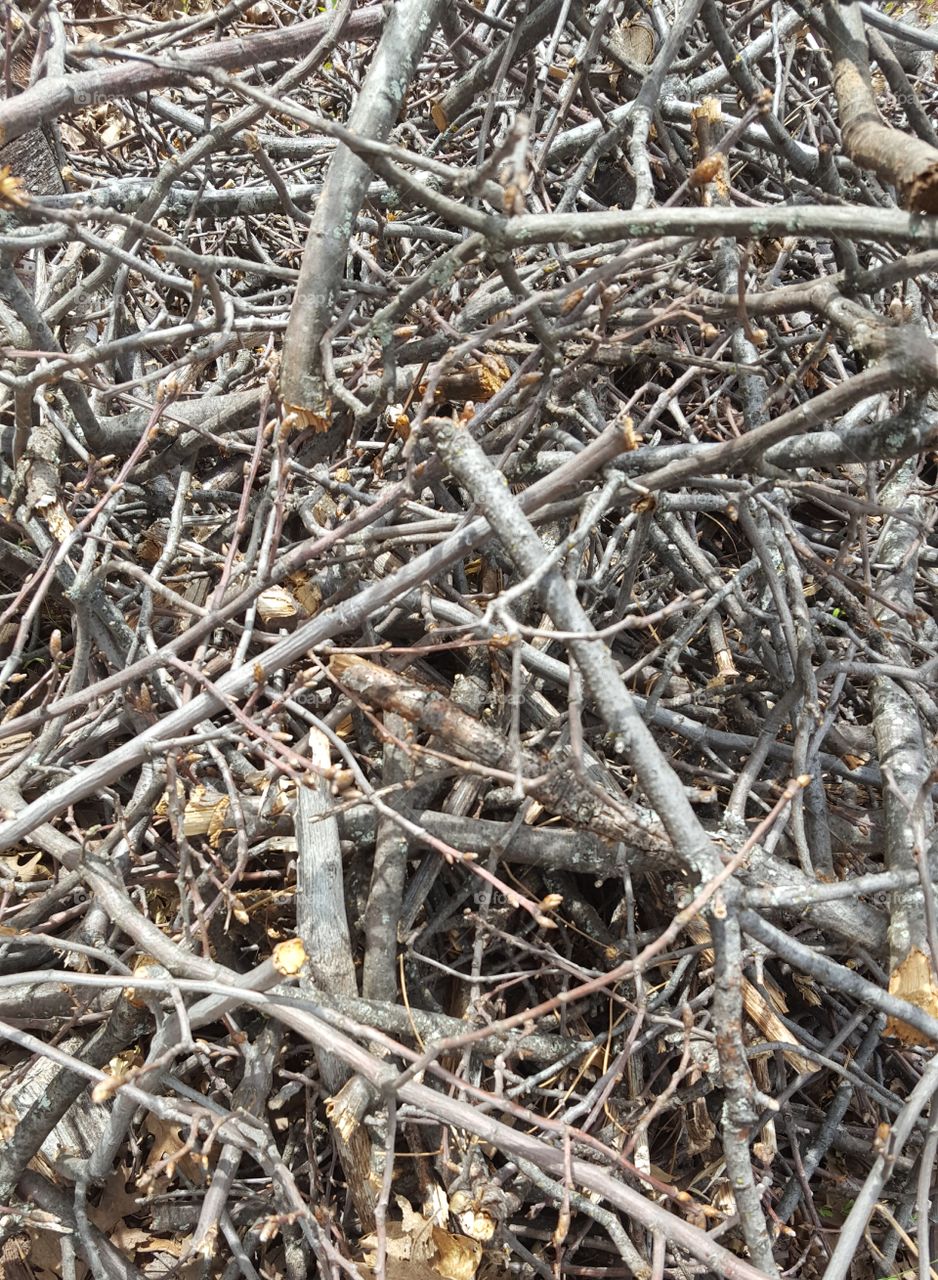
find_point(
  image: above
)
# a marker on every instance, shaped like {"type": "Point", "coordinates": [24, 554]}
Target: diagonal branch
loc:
{"type": "Point", "coordinates": [906, 163]}
{"type": "Point", "coordinates": [407, 31]}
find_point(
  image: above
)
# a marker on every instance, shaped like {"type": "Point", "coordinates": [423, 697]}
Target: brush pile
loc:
{"type": "Point", "coordinates": [468, 640]}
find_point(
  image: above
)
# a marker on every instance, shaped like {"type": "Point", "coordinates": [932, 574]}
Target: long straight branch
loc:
{"type": "Point", "coordinates": [407, 31]}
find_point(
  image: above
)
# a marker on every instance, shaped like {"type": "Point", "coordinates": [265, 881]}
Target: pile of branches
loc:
{"type": "Point", "coordinates": [469, 642]}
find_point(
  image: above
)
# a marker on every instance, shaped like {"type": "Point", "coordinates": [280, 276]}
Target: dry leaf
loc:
{"type": "Point", "coordinates": [401, 1269]}
{"type": "Point", "coordinates": [45, 1250]}
{"type": "Point", "coordinates": [112, 133]}
{"type": "Point", "coordinates": [116, 1202]}
{"type": "Point", "coordinates": [30, 869]}
{"type": "Point", "coordinates": [132, 1240]}
{"type": "Point", "coordinates": [417, 1230]}
{"type": "Point", "coordinates": [297, 419]}
{"type": "Point", "coordinates": [427, 1250]}
{"type": "Point", "coordinates": [457, 1257]}
{"type": "Point", "coordinates": [169, 1153]}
